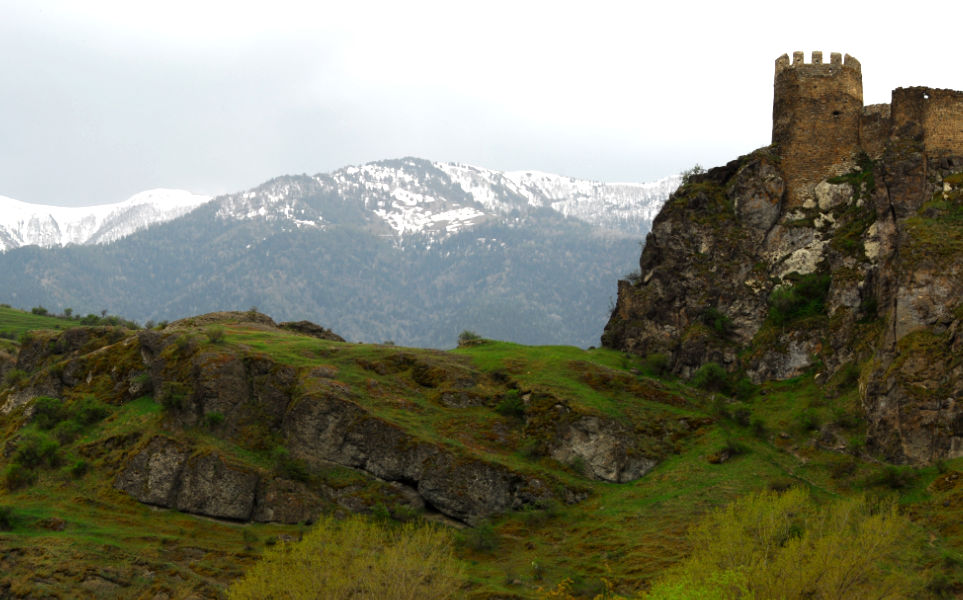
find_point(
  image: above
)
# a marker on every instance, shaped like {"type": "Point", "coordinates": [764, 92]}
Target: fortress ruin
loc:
{"type": "Point", "coordinates": [820, 126]}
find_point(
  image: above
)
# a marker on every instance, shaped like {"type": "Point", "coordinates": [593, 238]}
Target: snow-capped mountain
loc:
{"type": "Point", "coordinates": [23, 224]}
{"type": "Point", "coordinates": [412, 196]}
{"type": "Point", "coordinates": [405, 250]}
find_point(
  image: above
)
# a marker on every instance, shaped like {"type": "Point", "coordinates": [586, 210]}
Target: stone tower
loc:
{"type": "Point", "coordinates": [816, 113]}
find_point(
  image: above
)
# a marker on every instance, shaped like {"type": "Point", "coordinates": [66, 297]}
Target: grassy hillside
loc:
{"type": "Point", "coordinates": [70, 533]}
{"type": "Point", "coordinates": [14, 323]}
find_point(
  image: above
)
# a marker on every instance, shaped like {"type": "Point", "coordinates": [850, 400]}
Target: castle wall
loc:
{"type": "Point", "coordinates": [874, 128]}
{"type": "Point", "coordinates": [817, 110]}
{"type": "Point", "coordinates": [930, 117]}
{"type": "Point", "coordinates": [819, 123]}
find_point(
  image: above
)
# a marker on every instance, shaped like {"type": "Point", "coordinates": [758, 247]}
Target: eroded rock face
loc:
{"type": "Point", "coordinates": [331, 427]}
{"type": "Point", "coordinates": [209, 486]}
{"type": "Point", "coordinates": [604, 448]}
{"type": "Point", "coordinates": [725, 252]}
{"type": "Point", "coordinates": [312, 329]}
{"type": "Point", "coordinates": [153, 475]}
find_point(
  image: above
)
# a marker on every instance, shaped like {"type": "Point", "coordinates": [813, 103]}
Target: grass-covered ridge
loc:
{"type": "Point", "coordinates": [66, 530]}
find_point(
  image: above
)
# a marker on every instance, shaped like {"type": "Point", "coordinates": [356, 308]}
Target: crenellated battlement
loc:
{"type": "Point", "coordinates": [836, 61]}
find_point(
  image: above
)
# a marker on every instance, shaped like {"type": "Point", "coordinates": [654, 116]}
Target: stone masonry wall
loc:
{"type": "Point", "coordinates": [817, 108]}
{"type": "Point", "coordinates": [819, 123]}
{"type": "Point", "coordinates": [932, 117]}
{"type": "Point", "coordinates": [874, 127]}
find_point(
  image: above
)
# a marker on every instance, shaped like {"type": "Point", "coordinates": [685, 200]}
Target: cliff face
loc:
{"type": "Point", "coordinates": [861, 278]}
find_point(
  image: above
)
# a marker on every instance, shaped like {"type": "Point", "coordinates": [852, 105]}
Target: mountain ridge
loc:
{"type": "Point", "coordinates": [382, 187]}
{"type": "Point", "coordinates": [397, 250]}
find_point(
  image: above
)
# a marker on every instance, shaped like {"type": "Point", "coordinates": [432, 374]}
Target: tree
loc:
{"type": "Point", "coordinates": [772, 545]}
{"type": "Point", "coordinates": [359, 559]}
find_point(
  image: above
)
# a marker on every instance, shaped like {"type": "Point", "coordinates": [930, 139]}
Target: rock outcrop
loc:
{"type": "Point", "coordinates": [864, 276]}
{"type": "Point", "coordinates": [836, 249]}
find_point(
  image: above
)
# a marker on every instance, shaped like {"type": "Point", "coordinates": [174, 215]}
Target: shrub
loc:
{"type": "Point", "coordinates": [711, 377]}
{"type": "Point", "coordinates": [6, 518]}
{"type": "Point", "coordinates": [894, 477]}
{"type": "Point", "coordinates": [468, 338]}
{"type": "Point", "coordinates": [18, 476]}
{"type": "Point", "coordinates": [79, 469]}
{"type": "Point", "coordinates": [808, 420]}
{"type": "Point", "coordinates": [289, 466]}
{"type": "Point", "coordinates": [184, 344]}
{"type": "Point", "coordinates": [67, 431]}
{"type": "Point", "coordinates": [34, 450]}
{"type": "Point", "coordinates": [481, 538]}
{"type": "Point", "coordinates": [356, 558]}
{"type": "Point", "coordinates": [511, 405]}
{"type": "Point", "coordinates": [806, 298]}
{"type": "Point", "coordinates": [657, 364]}
{"type": "Point", "coordinates": [688, 174]}
{"type": "Point", "coordinates": [215, 333]}
{"type": "Point", "coordinates": [48, 412]}
{"type": "Point", "coordinates": [39, 310]}
{"type": "Point", "coordinates": [717, 321]}
{"type": "Point", "coordinates": [250, 538]}
{"type": "Point", "coordinates": [172, 395]}
{"type": "Point", "coordinates": [530, 449]}
{"type": "Point", "coordinates": [90, 410]}
{"type": "Point", "coordinates": [213, 419]}
{"type": "Point", "coordinates": [772, 545]}
{"type": "Point", "coordinates": [15, 377]}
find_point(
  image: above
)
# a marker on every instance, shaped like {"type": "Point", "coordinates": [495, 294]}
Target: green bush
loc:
{"type": "Point", "coordinates": [173, 395]}
{"type": "Point", "coordinates": [6, 518]}
{"type": "Point", "coordinates": [17, 476]}
{"type": "Point", "coordinates": [895, 477]}
{"type": "Point", "coordinates": [48, 412]}
{"type": "Point", "coordinates": [79, 468]}
{"type": "Point", "coordinates": [481, 538]}
{"type": "Point", "coordinates": [67, 431]}
{"type": "Point", "coordinates": [468, 338]}
{"type": "Point", "coordinates": [89, 410]}
{"type": "Point", "coordinates": [717, 321]}
{"type": "Point", "coordinates": [15, 377]}
{"type": "Point", "coordinates": [288, 466]}
{"type": "Point", "coordinates": [711, 377]}
{"type": "Point", "coordinates": [213, 419]}
{"type": "Point", "coordinates": [805, 298]}
{"type": "Point", "coordinates": [35, 450]}
{"type": "Point", "coordinates": [511, 405]}
{"type": "Point", "coordinates": [656, 364]}
{"type": "Point", "coordinates": [215, 333]}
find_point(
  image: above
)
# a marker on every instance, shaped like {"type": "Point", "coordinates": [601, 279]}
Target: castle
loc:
{"type": "Point", "coordinates": [819, 123]}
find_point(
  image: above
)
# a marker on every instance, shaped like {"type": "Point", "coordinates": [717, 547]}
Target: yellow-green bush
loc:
{"type": "Point", "coordinates": [359, 559]}
{"type": "Point", "coordinates": [772, 545]}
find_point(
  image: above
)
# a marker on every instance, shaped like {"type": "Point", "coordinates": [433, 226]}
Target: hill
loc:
{"type": "Point", "coordinates": [160, 463]}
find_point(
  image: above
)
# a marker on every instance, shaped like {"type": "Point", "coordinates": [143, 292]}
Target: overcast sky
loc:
{"type": "Point", "coordinates": [103, 99]}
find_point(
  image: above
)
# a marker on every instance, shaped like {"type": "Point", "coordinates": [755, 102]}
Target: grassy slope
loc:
{"type": "Point", "coordinates": [112, 546]}
{"type": "Point", "coordinates": [15, 322]}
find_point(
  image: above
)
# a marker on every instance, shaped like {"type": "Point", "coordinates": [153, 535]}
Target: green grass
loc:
{"type": "Point", "coordinates": [14, 323]}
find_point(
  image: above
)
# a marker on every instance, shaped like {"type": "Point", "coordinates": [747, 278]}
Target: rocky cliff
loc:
{"type": "Point", "coordinates": [862, 280]}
